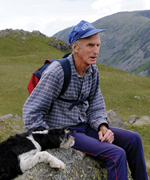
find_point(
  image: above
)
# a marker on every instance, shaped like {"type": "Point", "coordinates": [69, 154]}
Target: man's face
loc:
{"type": "Point", "coordinates": [89, 49]}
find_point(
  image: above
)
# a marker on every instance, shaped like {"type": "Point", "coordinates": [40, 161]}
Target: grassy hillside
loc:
{"type": "Point", "coordinates": [19, 58]}
{"type": "Point", "coordinates": [128, 94]}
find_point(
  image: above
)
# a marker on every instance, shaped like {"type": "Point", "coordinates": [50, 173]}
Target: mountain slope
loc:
{"type": "Point", "coordinates": [21, 53]}
{"type": "Point", "coordinates": [126, 43]}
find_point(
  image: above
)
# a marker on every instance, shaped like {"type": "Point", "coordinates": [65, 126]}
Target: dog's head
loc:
{"type": "Point", "coordinates": [67, 140]}
{"type": "Point", "coordinates": [53, 138]}
{"type": "Point", "coordinates": [60, 137]}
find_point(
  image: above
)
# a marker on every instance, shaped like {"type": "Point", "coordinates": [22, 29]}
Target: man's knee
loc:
{"type": "Point", "coordinates": [117, 157]}
{"type": "Point", "coordinates": [135, 140]}
{"type": "Point", "coordinates": [120, 157]}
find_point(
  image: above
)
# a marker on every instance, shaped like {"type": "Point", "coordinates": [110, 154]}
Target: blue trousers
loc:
{"type": "Point", "coordinates": [127, 146]}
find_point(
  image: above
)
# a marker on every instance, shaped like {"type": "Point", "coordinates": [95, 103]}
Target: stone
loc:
{"type": "Point", "coordinates": [132, 119]}
{"type": "Point", "coordinates": [10, 116]}
{"type": "Point", "coordinates": [78, 166]}
{"type": "Point", "coordinates": [144, 120]}
{"type": "Point", "coordinates": [114, 119]}
{"type": "Point", "coordinates": [18, 117]}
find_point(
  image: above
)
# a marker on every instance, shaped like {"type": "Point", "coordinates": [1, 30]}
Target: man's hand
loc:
{"type": "Point", "coordinates": [105, 134]}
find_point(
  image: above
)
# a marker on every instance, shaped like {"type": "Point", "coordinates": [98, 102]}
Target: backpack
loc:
{"type": "Point", "coordinates": [38, 73]}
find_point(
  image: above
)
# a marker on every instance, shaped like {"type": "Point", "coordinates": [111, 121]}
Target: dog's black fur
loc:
{"type": "Point", "coordinates": [20, 144]}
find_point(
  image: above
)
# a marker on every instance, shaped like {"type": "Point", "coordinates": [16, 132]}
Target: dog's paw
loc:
{"type": "Point", "coordinates": [57, 164]}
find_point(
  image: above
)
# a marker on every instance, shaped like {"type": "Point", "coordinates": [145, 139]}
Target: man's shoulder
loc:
{"type": "Point", "coordinates": [54, 67]}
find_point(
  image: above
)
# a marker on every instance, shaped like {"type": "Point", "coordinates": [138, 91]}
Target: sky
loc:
{"type": "Point", "coordinates": [52, 16]}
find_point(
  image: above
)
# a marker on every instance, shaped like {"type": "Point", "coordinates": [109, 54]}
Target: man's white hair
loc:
{"type": "Point", "coordinates": [78, 42]}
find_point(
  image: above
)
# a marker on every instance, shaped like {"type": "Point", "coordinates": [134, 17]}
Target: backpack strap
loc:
{"type": "Point", "coordinates": [67, 73]}
{"type": "Point", "coordinates": [76, 102]}
{"type": "Point", "coordinates": [73, 102]}
{"type": "Point", "coordinates": [36, 76]}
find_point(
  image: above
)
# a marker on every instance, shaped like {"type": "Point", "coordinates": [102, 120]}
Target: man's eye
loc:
{"type": "Point", "coordinates": [98, 45]}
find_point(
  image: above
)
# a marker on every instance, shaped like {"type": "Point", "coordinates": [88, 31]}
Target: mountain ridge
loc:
{"type": "Point", "coordinates": [126, 43]}
{"type": "Point", "coordinates": [20, 34]}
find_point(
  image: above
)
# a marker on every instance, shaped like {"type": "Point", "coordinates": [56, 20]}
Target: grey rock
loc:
{"type": "Point", "coordinates": [10, 116]}
{"type": "Point", "coordinates": [78, 166]}
{"type": "Point", "coordinates": [136, 121]}
{"type": "Point", "coordinates": [114, 119]}
{"type": "Point", "coordinates": [132, 119]}
{"type": "Point", "coordinates": [62, 46]}
{"type": "Point", "coordinates": [144, 120]}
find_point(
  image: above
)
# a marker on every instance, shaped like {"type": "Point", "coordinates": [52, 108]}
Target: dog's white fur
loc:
{"type": "Point", "coordinates": [30, 159]}
{"type": "Point", "coordinates": [33, 151]}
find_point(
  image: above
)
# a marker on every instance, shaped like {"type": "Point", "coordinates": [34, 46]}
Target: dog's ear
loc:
{"type": "Point", "coordinates": [64, 133]}
{"type": "Point", "coordinates": [67, 130]}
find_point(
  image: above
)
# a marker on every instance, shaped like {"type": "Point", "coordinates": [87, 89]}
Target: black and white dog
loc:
{"type": "Point", "coordinates": [23, 151]}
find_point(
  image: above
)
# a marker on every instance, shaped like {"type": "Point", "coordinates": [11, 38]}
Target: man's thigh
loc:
{"type": "Point", "coordinates": [123, 138]}
{"type": "Point", "coordinates": [87, 141]}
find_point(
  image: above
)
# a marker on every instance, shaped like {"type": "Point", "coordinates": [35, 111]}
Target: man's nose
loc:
{"type": "Point", "coordinates": [96, 49]}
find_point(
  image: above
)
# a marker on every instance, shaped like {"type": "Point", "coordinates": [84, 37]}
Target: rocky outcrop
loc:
{"type": "Point", "coordinates": [114, 119]}
{"type": "Point", "coordinates": [78, 166]}
{"type": "Point", "coordinates": [24, 35]}
{"type": "Point", "coordinates": [62, 46]}
{"type": "Point", "coordinates": [135, 120]}
{"type": "Point", "coordinates": [10, 116]}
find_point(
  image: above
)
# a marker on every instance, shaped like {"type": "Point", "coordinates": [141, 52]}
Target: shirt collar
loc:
{"type": "Point", "coordinates": [89, 71]}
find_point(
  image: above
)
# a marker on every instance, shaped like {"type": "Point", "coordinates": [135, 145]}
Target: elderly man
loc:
{"type": "Point", "coordinates": [87, 118]}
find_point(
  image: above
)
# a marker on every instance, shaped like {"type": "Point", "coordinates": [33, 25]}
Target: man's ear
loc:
{"type": "Point", "coordinates": [75, 47]}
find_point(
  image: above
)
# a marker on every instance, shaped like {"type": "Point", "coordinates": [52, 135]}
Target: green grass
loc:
{"type": "Point", "coordinates": [126, 93]}
{"type": "Point", "coordinates": [18, 60]}
{"type": "Point", "coordinates": [145, 135]}
{"type": "Point", "coordinates": [10, 128]}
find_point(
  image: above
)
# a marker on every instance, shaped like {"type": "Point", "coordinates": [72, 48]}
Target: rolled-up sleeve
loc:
{"type": "Point", "coordinates": [41, 99]}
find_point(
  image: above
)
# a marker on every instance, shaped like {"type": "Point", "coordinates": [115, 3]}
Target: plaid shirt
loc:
{"type": "Point", "coordinates": [42, 108]}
